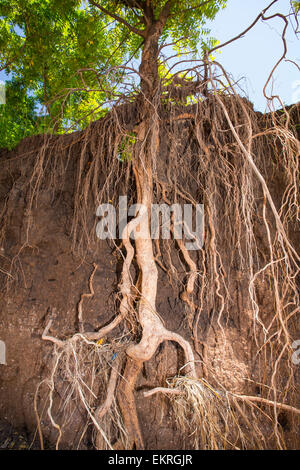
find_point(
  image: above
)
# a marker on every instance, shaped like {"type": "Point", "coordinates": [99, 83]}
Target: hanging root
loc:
{"type": "Point", "coordinates": [90, 294]}
{"type": "Point", "coordinates": [241, 289]}
{"type": "Point", "coordinates": [81, 387]}
{"type": "Point", "coordinates": [127, 405]}
{"type": "Point", "coordinates": [212, 419]}
{"type": "Point", "coordinates": [201, 413]}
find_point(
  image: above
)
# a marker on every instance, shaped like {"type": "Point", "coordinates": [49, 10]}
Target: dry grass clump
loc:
{"type": "Point", "coordinates": [217, 420]}
{"type": "Point", "coordinates": [81, 371]}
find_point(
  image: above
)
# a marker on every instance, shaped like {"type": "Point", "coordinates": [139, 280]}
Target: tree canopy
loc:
{"type": "Point", "coordinates": [54, 53]}
{"type": "Point", "coordinates": [232, 283]}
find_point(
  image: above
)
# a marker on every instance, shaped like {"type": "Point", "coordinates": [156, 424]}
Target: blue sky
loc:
{"type": "Point", "coordinates": [253, 57]}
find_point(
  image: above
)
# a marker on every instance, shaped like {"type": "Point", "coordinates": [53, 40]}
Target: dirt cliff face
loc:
{"type": "Point", "coordinates": [49, 278]}
{"type": "Point", "coordinates": [41, 275]}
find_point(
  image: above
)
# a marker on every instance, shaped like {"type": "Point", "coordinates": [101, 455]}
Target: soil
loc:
{"type": "Point", "coordinates": [49, 278]}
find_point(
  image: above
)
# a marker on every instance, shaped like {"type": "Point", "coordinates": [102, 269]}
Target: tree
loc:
{"type": "Point", "coordinates": [222, 166]}
{"type": "Point", "coordinates": [43, 46]}
{"type": "Point", "coordinates": [50, 46]}
{"type": "Point", "coordinates": [296, 5]}
{"type": "Point", "coordinates": [16, 126]}
{"type": "Point", "coordinates": [151, 22]}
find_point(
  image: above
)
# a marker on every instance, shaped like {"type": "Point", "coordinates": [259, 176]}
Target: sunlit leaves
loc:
{"type": "Point", "coordinates": [58, 50]}
{"type": "Point", "coordinates": [43, 44]}
{"type": "Point", "coordinates": [297, 6]}
{"type": "Point", "coordinates": [18, 117]}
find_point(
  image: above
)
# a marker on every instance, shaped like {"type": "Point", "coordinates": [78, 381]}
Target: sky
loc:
{"type": "Point", "coordinates": [254, 56]}
{"type": "Point", "coordinates": [251, 58]}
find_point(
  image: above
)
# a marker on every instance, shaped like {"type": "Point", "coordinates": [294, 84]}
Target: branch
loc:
{"type": "Point", "coordinates": [284, 47]}
{"type": "Point", "coordinates": [132, 4]}
{"type": "Point", "coordinates": [118, 18]}
{"type": "Point", "coordinates": [10, 61]}
{"type": "Point", "coordinates": [244, 32]}
{"type": "Point", "coordinates": [164, 14]}
{"type": "Point", "coordinates": [166, 10]}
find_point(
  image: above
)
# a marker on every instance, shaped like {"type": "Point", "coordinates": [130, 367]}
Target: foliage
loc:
{"type": "Point", "coordinates": [18, 118]}
{"type": "Point", "coordinates": [43, 44]}
{"type": "Point", "coordinates": [56, 51]}
{"type": "Point", "coordinates": [296, 6]}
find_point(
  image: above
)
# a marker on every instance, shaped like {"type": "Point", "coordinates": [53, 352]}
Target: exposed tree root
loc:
{"type": "Point", "coordinates": [217, 152]}
{"type": "Point", "coordinates": [105, 407]}
{"type": "Point", "coordinates": [127, 404]}
{"type": "Point", "coordinates": [83, 296]}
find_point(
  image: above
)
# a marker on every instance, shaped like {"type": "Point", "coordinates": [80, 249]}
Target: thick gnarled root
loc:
{"type": "Point", "coordinates": [126, 402]}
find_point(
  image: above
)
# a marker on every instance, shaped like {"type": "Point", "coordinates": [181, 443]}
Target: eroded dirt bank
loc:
{"type": "Point", "coordinates": [41, 275]}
